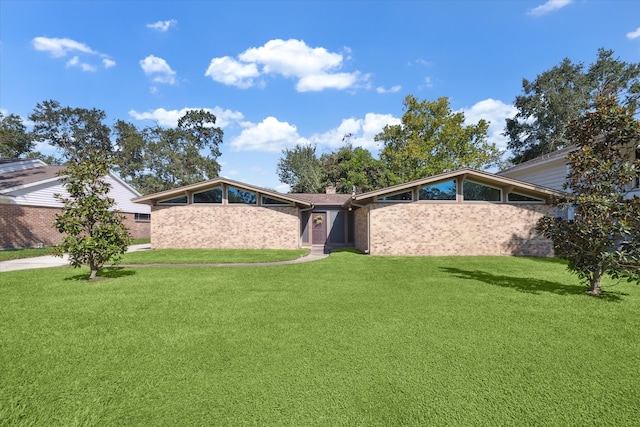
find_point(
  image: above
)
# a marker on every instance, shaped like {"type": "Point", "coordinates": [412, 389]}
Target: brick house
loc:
{"type": "Point", "coordinates": [28, 206]}
{"type": "Point", "coordinates": [465, 212]}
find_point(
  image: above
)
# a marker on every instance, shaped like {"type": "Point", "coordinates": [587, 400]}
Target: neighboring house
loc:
{"type": "Point", "coordinates": [28, 206]}
{"type": "Point", "coordinates": [465, 212]}
{"type": "Point", "coordinates": [550, 170]}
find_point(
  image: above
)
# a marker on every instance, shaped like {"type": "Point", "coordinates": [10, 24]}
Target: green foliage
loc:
{"type": "Point", "coordinates": [350, 168]}
{"type": "Point", "coordinates": [77, 132]}
{"type": "Point", "coordinates": [301, 169]}
{"type": "Point", "coordinates": [562, 94]}
{"type": "Point", "coordinates": [15, 141]}
{"type": "Point", "coordinates": [211, 256]}
{"type": "Point", "coordinates": [155, 159]}
{"type": "Point", "coordinates": [604, 238]}
{"type": "Point", "coordinates": [94, 232]}
{"type": "Point", "coordinates": [433, 139]}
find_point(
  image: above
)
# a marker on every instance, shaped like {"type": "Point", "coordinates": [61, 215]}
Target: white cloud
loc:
{"type": "Point", "coordinates": [634, 34]}
{"type": "Point", "coordinates": [313, 67]}
{"type": "Point", "coordinates": [159, 69]}
{"type": "Point", "coordinates": [163, 26]}
{"type": "Point", "coordinates": [549, 6]}
{"type": "Point", "coordinates": [169, 118]}
{"type": "Point", "coordinates": [232, 73]}
{"type": "Point", "coordinates": [270, 135]}
{"type": "Point", "coordinates": [393, 89]}
{"type": "Point", "coordinates": [75, 62]}
{"type": "Point", "coordinates": [495, 112]}
{"type": "Point", "coordinates": [59, 48]}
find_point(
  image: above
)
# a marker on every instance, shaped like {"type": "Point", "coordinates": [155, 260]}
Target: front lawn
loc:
{"type": "Point", "coordinates": [350, 340]}
{"type": "Point", "coordinates": [210, 256]}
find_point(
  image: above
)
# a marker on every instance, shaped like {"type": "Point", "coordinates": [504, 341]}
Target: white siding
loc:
{"type": "Point", "coordinates": [42, 195]}
{"type": "Point", "coordinates": [552, 174]}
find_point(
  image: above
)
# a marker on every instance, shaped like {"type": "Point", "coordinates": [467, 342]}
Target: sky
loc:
{"type": "Point", "coordinates": [281, 73]}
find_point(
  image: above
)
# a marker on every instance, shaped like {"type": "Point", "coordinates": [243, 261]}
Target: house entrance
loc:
{"type": "Point", "coordinates": [319, 228]}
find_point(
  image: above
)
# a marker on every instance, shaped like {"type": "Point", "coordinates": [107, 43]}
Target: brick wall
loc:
{"type": "Point", "coordinates": [457, 229]}
{"type": "Point", "coordinates": [225, 226]}
{"type": "Point", "coordinates": [361, 234]}
{"type": "Point", "coordinates": [26, 226]}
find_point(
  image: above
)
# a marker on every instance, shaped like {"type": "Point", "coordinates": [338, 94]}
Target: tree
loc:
{"type": "Point", "coordinates": [94, 232]}
{"type": "Point", "coordinates": [77, 132]}
{"type": "Point", "coordinates": [433, 139]}
{"type": "Point", "coordinates": [604, 237]}
{"type": "Point", "coordinates": [301, 169]}
{"type": "Point", "coordinates": [562, 94]}
{"type": "Point", "coordinates": [350, 168]}
{"type": "Point", "coordinates": [156, 159]}
{"type": "Point", "coordinates": [15, 141]}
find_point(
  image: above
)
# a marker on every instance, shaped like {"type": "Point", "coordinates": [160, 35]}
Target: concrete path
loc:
{"type": "Point", "coordinates": [52, 261]}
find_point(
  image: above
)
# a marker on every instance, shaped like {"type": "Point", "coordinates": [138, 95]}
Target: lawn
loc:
{"type": "Point", "coordinates": [349, 340]}
{"type": "Point", "coordinates": [213, 256]}
{"type": "Point", "coordinates": [10, 254]}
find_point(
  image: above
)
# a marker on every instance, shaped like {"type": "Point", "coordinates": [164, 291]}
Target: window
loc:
{"type": "Point", "coordinates": [479, 192]}
{"type": "Point", "coordinates": [404, 196]}
{"type": "Point", "coordinates": [180, 200]}
{"type": "Point", "coordinates": [266, 200]}
{"type": "Point", "coordinates": [142, 217]}
{"type": "Point", "coordinates": [236, 195]}
{"type": "Point", "coordinates": [213, 195]}
{"type": "Point", "coordinates": [516, 197]}
{"type": "Point", "coordinates": [440, 191]}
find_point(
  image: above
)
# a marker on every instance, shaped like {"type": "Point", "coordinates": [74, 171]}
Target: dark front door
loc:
{"type": "Point", "coordinates": [319, 228]}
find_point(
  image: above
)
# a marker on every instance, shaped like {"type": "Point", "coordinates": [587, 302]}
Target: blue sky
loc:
{"type": "Point", "coordinates": [278, 73]}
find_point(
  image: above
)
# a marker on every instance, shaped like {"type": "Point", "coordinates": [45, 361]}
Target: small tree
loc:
{"type": "Point", "coordinates": [95, 232]}
{"type": "Point", "coordinates": [301, 169]}
{"type": "Point", "coordinates": [604, 237]}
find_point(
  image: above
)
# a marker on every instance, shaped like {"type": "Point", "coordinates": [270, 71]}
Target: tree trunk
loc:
{"type": "Point", "coordinates": [594, 287]}
{"type": "Point", "coordinates": [94, 271]}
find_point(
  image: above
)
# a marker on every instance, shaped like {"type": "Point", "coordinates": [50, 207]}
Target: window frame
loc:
{"type": "Point", "coordinates": [485, 185]}
{"type": "Point", "coordinates": [284, 202]}
{"type": "Point", "coordinates": [536, 200]}
{"type": "Point", "coordinates": [193, 200]}
{"type": "Point", "coordinates": [455, 197]}
{"type": "Point", "coordinates": [379, 198]}
{"type": "Point", "coordinates": [136, 217]}
{"type": "Point", "coordinates": [229, 202]}
{"type": "Point", "coordinates": [164, 202]}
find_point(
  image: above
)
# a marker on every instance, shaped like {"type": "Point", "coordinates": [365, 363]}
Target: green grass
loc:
{"type": "Point", "coordinates": [9, 254]}
{"type": "Point", "coordinates": [350, 340]}
{"type": "Point", "coordinates": [211, 256]}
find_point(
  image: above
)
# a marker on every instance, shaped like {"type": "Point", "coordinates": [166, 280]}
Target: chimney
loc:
{"type": "Point", "coordinates": [330, 189]}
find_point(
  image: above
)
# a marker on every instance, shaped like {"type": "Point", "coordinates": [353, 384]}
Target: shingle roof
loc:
{"type": "Point", "coordinates": [28, 176]}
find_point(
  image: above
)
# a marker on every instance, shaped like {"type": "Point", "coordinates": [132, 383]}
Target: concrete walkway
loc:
{"type": "Point", "coordinates": [52, 261]}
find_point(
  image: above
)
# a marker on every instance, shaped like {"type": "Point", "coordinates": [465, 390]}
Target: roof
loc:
{"type": "Point", "coordinates": [323, 199]}
{"type": "Point", "coordinates": [545, 158]}
{"type": "Point", "coordinates": [174, 192]}
{"type": "Point", "coordinates": [480, 176]}
{"type": "Point", "coordinates": [23, 177]}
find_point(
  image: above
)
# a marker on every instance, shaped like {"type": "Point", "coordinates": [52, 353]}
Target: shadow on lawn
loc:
{"type": "Point", "coordinates": [105, 273]}
{"type": "Point", "coordinates": [526, 284]}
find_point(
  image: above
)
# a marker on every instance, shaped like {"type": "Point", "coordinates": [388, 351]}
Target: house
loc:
{"type": "Point", "coordinates": [28, 206]}
{"type": "Point", "coordinates": [550, 170]}
{"type": "Point", "coordinates": [464, 212]}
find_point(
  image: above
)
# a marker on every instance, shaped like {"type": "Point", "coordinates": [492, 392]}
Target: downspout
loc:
{"type": "Point", "coordinates": [368, 223]}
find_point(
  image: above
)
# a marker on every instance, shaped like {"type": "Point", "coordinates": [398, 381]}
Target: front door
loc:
{"type": "Point", "coordinates": [319, 228]}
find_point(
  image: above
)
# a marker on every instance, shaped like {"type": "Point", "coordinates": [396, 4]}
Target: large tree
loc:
{"type": "Point", "coordinates": [155, 158]}
{"type": "Point", "coordinates": [301, 169]}
{"type": "Point", "coordinates": [94, 231]}
{"type": "Point", "coordinates": [76, 132]}
{"type": "Point", "coordinates": [604, 237]}
{"type": "Point", "coordinates": [562, 94]}
{"type": "Point", "coordinates": [15, 141]}
{"type": "Point", "coordinates": [433, 139]}
{"type": "Point", "coordinates": [353, 168]}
